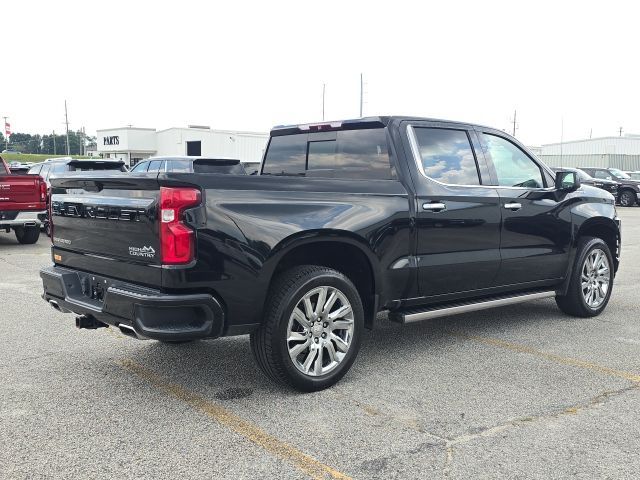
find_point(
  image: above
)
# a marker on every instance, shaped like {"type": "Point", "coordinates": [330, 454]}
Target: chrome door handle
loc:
{"type": "Point", "coordinates": [434, 207]}
{"type": "Point", "coordinates": [513, 206]}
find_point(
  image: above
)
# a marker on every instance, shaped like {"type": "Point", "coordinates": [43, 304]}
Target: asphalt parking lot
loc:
{"type": "Point", "coordinates": [516, 392]}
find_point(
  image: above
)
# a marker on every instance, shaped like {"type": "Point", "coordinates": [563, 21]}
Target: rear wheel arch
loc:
{"type": "Point", "coordinates": [340, 253]}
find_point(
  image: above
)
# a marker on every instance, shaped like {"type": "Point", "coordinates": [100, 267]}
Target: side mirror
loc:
{"type": "Point", "coordinates": [567, 181]}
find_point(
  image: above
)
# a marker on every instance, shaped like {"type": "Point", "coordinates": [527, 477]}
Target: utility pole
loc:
{"type": "Point", "coordinates": [361, 94]}
{"type": "Point", "coordinates": [6, 138]}
{"type": "Point", "coordinates": [515, 125]}
{"type": "Point", "coordinates": [66, 120]}
{"type": "Point", "coordinates": [323, 91]}
{"type": "Point", "coordinates": [561, 139]}
{"type": "Point", "coordinates": [590, 133]}
{"type": "Point", "coordinates": [79, 134]}
{"type": "Point", "coordinates": [620, 131]}
{"type": "Point", "coordinates": [54, 142]}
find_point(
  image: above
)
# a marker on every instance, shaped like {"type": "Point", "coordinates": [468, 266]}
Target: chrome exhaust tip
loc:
{"type": "Point", "coordinates": [53, 304]}
{"type": "Point", "coordinates": [128, 331]}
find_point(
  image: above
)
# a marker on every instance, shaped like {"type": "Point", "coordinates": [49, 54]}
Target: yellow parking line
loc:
{"type": "Point", "coordinates": [574, 362]}
{"type": "Point", "coordinates": [303, 462]}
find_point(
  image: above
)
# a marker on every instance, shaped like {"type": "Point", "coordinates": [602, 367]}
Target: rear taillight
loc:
{"type": "Point", "coordinates": [43, 191]}
{"type": "Point", "coordinates": [177, 245]}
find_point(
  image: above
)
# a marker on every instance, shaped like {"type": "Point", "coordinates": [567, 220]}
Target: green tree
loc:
{"type": "Point", "coordinates": [19, 141]}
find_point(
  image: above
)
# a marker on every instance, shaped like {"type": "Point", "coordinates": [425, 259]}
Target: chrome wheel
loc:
{"type": "Point", "coordinates": [596, 278]}
{"type": "Point", "coordinates": [320, 331]}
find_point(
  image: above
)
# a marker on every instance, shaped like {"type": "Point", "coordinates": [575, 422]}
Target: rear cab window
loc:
{"type": "Point", "coordinates": [89, 166]}
{"type": "Point", "coordinates": [361, 154]}
{"type": "Point", "coordinates": [59, 168]}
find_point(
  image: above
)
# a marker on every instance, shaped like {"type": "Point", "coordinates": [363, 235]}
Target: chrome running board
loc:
{"type": "Point", "coordinates": [418, 315]}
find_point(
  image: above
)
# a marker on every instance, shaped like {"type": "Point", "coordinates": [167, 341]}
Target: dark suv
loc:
{"type": "Point", "coordinates": [628, 189]}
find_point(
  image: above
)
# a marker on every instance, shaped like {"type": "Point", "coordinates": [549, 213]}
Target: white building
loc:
{"type": "Point", "coordinates": [132, 144]}
{"type": "Point", "coordinates": [604, 152]}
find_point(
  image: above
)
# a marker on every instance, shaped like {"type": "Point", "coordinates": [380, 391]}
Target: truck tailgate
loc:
{"type": "Point", "coordinates": [108, 226]}
{"type": "Point", "coordinates": [20, 192]}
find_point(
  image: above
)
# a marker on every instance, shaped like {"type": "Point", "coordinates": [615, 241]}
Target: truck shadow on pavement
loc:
{"type": "Point", "coordinates": [8, 242]}
{"type": "Point", "coordinates": [219, 366]}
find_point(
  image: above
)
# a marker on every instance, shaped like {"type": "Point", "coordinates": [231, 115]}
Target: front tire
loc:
{"type": "Point", "coordinates": [591, 280]}
{"type": "Point", "coordinates": [27, 235]}
{"type": "Point", "coordinates": [312, 330]}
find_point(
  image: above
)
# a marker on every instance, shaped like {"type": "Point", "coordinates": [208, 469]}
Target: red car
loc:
{"type": "Point", "coordinates": [23, 204]}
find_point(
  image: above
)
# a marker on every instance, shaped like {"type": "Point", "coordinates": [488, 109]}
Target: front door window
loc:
{"type": "Point", "coordinates": [513, 167]}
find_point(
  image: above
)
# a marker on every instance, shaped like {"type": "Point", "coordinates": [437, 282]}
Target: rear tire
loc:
{"type": "Point", "coordinates": [591, 280]}
{"type": "Point", "coordinates": [312, 329]}
{"type": "Point", "coordinates": [27, 235]}
{"type": "Point", "coordinates": [628, 198]}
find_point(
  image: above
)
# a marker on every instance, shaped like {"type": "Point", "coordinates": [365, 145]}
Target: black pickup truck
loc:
{"type": "Point", "coordinates": [421, 218]}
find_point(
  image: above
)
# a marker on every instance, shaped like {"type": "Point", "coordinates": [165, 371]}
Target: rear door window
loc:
{"type": "Point", "coordinates": [446, 156]}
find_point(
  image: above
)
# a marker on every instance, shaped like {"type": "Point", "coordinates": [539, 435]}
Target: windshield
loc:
{"type": "Point", "coordinates": [619, 173]}
{"type": "Point", "coordinates": [583, 176]}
